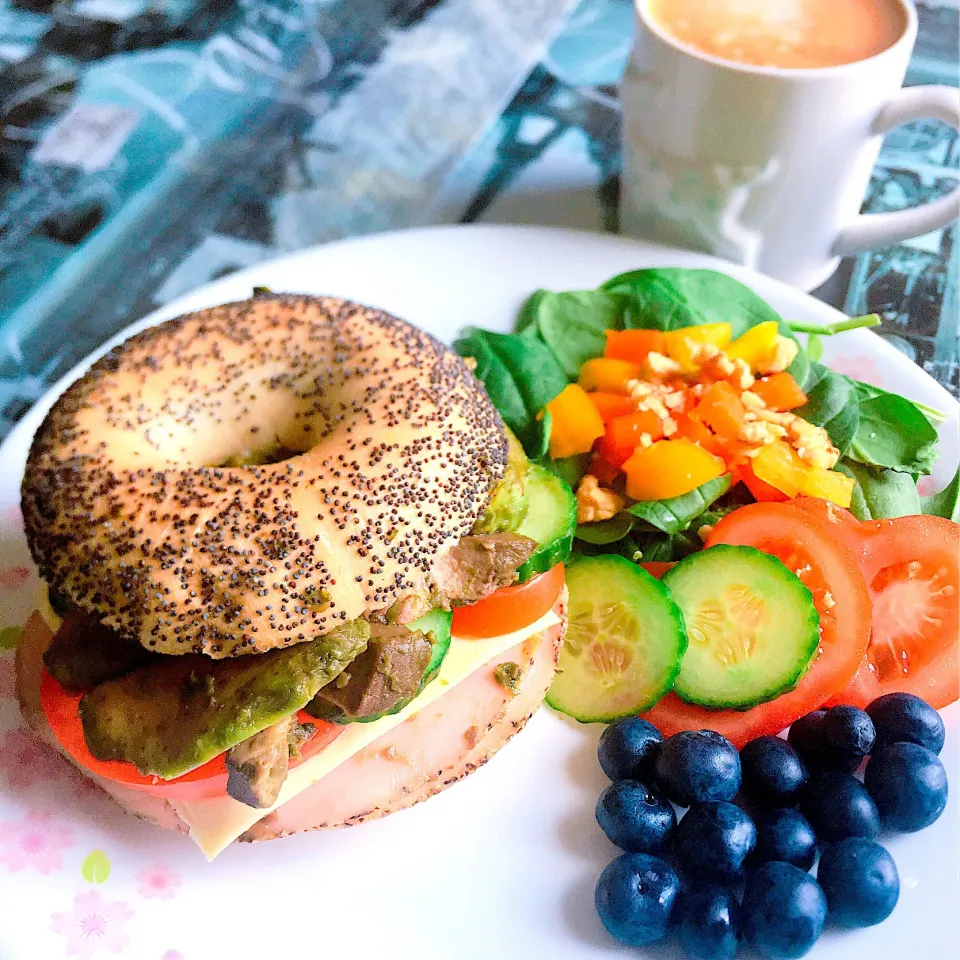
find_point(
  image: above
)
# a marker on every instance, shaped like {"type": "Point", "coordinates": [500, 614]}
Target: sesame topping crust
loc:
{"type": "Point", "coordinates": [127, 514]}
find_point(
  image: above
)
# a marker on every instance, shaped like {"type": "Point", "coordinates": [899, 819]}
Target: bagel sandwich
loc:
{"type": "Point", "coordinates": [297, 573]}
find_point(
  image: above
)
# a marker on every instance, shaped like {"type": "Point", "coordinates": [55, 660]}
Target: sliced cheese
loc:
{"type": "Point", "coordinates": [215, 823]}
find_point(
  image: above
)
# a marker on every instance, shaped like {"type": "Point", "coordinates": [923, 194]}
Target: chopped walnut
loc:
{"type": "Point", "coordinates": [660, 365]}
{"type": "Point", "coordinates": [719, 367]}
{"type": "Point", "coordinates": [761, 433]}
{"type": "Point", "coordinates": [752, 401]}
{"type": "Point", "coordinates": [812, 443]}
{"type": "Point", "coordinates": [783, 354]}
{"type": "Point", "coordinates": [828, 600]}
{"type": "Point", "coordinates": [646, 440]}
{"type": "Point", "coordinates": [701, 353]}
{"type": "Point", "coordinates": [669, 426]}
{"type": "Point", "coordinates": [704, 532]}
{"type": "Point", "coordinates": [471, 363]}
{"type": "Point", "coordinates": [742, 377]}
{"type": "Point", "coordinates": [595, 503]}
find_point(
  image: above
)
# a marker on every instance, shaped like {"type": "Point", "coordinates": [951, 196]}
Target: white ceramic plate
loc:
{"type": "Point", "coordinates": [502, 865]}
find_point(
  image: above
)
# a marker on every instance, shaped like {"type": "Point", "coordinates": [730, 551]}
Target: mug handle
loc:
{"type": "Point", "coordinates": [873, 230]}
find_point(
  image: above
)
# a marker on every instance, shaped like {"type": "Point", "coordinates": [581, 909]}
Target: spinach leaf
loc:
{"type": "Point", "coordinates": [831, 402]}
{"type": "Point", "coordinates": [570, 469]}
{"type": "Point", "coordinates": [868, 390]}
{"type": "Point", "coordinates": [527, 317]}
{"type": "Point", "coordinates": [892, 432]}
{"type": "Point", "coordinates": [539, 442]}
{"type": "Point", "coordinates": [677, 513]}
{"type": "Point", "coordinates": [880, 493]}
{"type": "Point", "coordinates": [814, 348]}
{"type": "Point", "coordinates": [606, 531]}
{"type": "Point", "coordinates": [667, 298]}
{"type": "Point", "coordinates": [573, 324]}
{"type": "Point", "coordinates": [521, 375]}
{"type": "Point", "coordinates": [668, 547]}
{"type": "Point", "coordinates": [946, 503]}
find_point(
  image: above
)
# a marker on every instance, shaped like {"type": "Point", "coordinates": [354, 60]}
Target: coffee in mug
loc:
{"type": "Point", "coordinates": [803, 34]}
{"type": "Point", "coordinates": [750, 128]}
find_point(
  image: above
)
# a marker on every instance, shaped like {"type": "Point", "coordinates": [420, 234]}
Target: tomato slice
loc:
{"type": "Point", "coordinates": [657, 568]}
{"type": "Point", "coordinates": [62, 710]}
{"type": "Point", "coordinates": [910, 565]}
{"type": "Point", "coordinates": [831, 573]}
{"type": "Point", "coordinates": [509, 608]}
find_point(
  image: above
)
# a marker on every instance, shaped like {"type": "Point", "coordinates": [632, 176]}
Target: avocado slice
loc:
{"type": "Point", "coordinates": [508, 505]}
{"type": "Point", "coordinates": [179, 712]}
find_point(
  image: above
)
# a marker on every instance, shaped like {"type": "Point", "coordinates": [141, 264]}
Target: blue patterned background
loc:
{"type": "Point", "coordinates": [146, 149]}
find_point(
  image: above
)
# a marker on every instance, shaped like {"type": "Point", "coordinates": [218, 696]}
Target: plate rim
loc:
{"type": "Point", "coordinates": [189, 301]}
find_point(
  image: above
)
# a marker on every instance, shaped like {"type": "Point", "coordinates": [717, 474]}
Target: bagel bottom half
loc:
{"type": "Point", "coordinates": [430, 750]}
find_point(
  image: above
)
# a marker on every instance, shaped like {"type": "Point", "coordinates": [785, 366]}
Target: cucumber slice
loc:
{"type": "Point", "coordinates": [551, 519]}
{"type": "Point", "coordinates": [624, 642]}
{"type": "Point", "coordinates": [436, 622]}
{"type": "Point", "coordinates": [751, 623]}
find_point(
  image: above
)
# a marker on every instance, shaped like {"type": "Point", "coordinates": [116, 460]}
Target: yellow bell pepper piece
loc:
{"type": "Point", "coordinates": [682, 344]}
{"type": "Point", "coordinates": [782, 467]}
{"type": "Point", "coordinates": [756, 345]}
{"type": "Point", "coordinates": [608, 375]}
{"type": "Point", "coordinates": [669, 468]}
{"type": "Point", "coordinates": [574, 424]}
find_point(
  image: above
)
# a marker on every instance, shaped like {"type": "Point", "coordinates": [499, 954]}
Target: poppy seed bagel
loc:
{"type": "Point", "coordinates": [392, 452]}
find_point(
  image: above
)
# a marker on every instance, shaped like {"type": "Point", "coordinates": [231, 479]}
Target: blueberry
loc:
{"type": "Point", "coordinates": [860, 881]}
{"type": "Point", "coordinates": [696, 767]}
{"type": "Point", "coordinates": [845, 736]}
{"type": "Point", "coordinates": [838, 806]}
{"type": "Point", "coordinates": [785, 835]}
{"type": "Point", "coordinates": [635, 897]}
{"type": "Point", "coordinates": [773, 772]}
{"type": "Point", "coordinates": [783, 911]}
{"type": "Point", "coordinates": [909, 784]}
{"type": "Point", "coordinates": [636, 817]}
{"type": "Point", "coordinates": [628, 749]}
{"type": "Point", "coordinates": [713, 840]}
{"type": "Point", "coordinates": [709, 926]}
{"type": "Point", "coordinates": [904, 718]}
{"type": "Point", "coordinates": [804, 737]}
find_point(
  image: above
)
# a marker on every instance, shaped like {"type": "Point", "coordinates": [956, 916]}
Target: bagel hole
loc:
{"type": "Point", "coordinates": [275, 452]}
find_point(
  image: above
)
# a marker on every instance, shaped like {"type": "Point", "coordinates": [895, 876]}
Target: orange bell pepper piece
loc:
{"type": "Point", "coordinates": [634, 345]}
{"type": "Point", "coordinates": [574, 422]}
{"type": "Point", "coordinates": [608, 375]}
{"type": "Point", "coordinates": [780, 392]}
{"type": "Point", "coordinates": [670, 468]}
{"type": "Point", "coordinates": [779, 465]}
{"type": "Point", "coordinates": [610, 405]}
{"type": "Point", "coordinates": [623, 435]}
{"type": "Point", "coordinates": [692, 429]}
{"type": "Point", "coordinates": [721, 410]}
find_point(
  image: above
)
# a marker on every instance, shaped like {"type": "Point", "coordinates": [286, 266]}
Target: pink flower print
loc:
{"type": "Point", "coordinates": [860, 368]}
{"type": "Point", "coordinates": [93, 925]}
{"type": "Point", "coordinates": [36, 841]}
{"type": "Point", "coordinates": [13, 578]}
{"type": "Point", "coordinates": [158, 881]}
{"type": "Point", "coordinates": [172, 955]}
{"type": "Point", "coordinates": [25, 761]}
{"type": "Point", "coordinates": [8, 686]}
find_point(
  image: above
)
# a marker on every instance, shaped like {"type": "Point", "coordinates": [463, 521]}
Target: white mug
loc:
{"type": "Point", "coordinates": [768, 166]}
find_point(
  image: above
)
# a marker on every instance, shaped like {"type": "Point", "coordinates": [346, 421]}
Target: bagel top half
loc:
{"type": "Point", "coordinates": [128, 514]}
